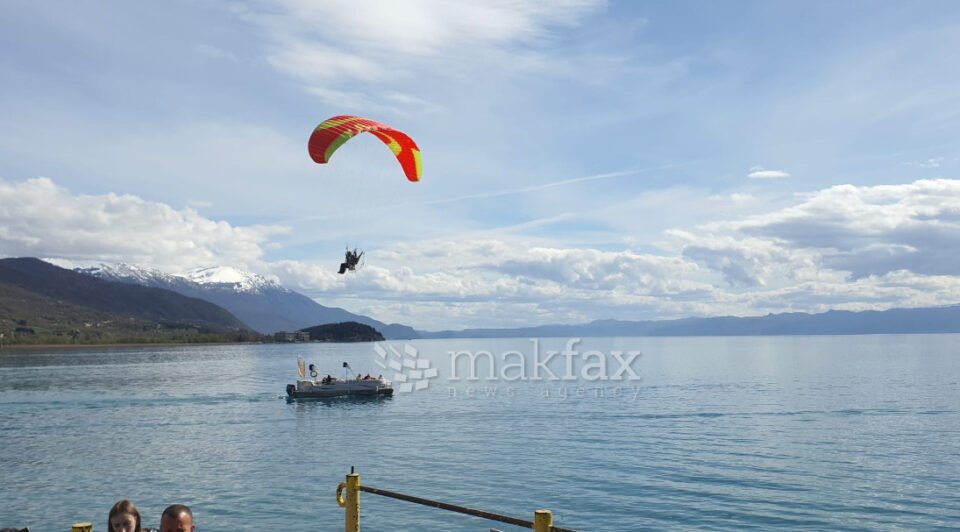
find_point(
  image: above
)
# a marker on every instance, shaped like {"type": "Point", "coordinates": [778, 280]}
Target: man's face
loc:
{"type": "Point", "coordinates": [181, 523]}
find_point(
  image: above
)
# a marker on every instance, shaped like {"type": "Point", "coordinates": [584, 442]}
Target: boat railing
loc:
{"type": "Point", "coordinates": [348, 497]}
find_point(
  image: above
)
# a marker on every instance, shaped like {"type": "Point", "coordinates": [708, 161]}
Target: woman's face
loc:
{"type": "Point", "coordinates": [123, 523]}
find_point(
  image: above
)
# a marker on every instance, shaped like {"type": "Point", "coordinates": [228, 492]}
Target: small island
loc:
{"type": "Point", "coordinates": [348, 331]}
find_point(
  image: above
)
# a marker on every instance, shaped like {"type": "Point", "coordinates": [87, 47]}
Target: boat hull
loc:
{"type": "Point", "coordinates": [309, 390]}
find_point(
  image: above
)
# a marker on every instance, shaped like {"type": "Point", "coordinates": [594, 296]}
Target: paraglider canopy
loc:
{"type": "Point", "coordinates": [334, 132]}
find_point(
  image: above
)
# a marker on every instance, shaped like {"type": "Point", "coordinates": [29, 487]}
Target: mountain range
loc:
{"type": "Point", "coordinates": [835, 322]}
{"type": "Point", "coordinates": [38, 299]}
{"type": "Point", "coordinates": [226, 300]}
{"type": "Point", "coordinates": [262, 304]}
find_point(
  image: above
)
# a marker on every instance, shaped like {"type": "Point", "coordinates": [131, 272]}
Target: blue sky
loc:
{"type": "Point", "coordinates": [582, 159]}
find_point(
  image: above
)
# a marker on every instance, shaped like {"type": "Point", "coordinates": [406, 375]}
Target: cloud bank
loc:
{"type": "Point", "coordinates": [844, 247]}
{"type": "Point", "coordinates": [42, 219]}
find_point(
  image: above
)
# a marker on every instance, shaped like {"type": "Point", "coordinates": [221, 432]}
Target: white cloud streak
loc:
{"type": "Point", "coordinates": [372, 45]}
{"type": "Point", "coordinates": [768, 174]}
{"type": "Point", "coordinates": [933, 162]}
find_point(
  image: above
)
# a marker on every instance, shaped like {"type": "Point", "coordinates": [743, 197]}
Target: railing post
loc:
{"type": "Point", "coordinates": [542, 521]}
{"type": "Point", "coordinates": [352, 503]}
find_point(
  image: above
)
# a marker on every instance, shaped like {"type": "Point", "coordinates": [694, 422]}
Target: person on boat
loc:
{"type": "Point", "coordinates": [177, 518]}
{"type": "Point", "coordinates": [124, 517]}
{"type": "Point", "coordinates": [313, 371]}
{"type": "Point", "coordinates": [368, 377]}
{"type": "Point", "coordinates": [350, 261]}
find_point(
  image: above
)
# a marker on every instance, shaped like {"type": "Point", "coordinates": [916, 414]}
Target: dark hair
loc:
{"type": "Point", "coordinates": [124, 507]}
{"type": "Point", "coordinates": [174, 511]}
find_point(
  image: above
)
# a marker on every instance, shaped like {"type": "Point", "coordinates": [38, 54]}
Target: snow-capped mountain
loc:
{"type": "Point", "coordinates": [261, 303]}
{"type": "Point", "coordinates": [125, 272]}
{"type": "Point", "coordinates": [215, 277]}
{"type": "Point", "coordinates": [225, 276]}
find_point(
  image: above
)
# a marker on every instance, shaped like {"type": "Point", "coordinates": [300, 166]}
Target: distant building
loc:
{"type": "Point", "coordinates": [297, 336]}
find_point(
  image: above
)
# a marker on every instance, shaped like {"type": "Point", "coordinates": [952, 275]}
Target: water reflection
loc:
{"type": "Point", "coordinates": [345, 402]}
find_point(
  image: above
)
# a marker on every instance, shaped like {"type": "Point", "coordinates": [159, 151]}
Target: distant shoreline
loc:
{"type": "Point", "coordinates": [28, 347]}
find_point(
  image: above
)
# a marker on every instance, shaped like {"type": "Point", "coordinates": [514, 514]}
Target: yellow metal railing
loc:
{"type": "Point", "coordinates": [542, 519]}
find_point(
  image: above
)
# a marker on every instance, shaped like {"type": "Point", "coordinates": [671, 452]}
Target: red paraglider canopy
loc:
{"type": "Point", "coordinates": [334, 132]}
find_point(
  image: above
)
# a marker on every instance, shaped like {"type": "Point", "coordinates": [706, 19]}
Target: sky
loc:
{"type": "Point", "coordinates": [581, 159]}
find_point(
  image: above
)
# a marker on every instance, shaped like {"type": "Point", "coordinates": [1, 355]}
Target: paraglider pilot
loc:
{"type": "Point", "coordinates": [350, 261]}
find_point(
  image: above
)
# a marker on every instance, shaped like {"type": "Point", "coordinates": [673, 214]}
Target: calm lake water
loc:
{"type": "Point", "coordinates": [830, 433]}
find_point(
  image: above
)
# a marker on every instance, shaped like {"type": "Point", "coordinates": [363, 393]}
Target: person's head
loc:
{"type": "Point", "coordinates": [124, 517]}
{"type": "Point", "coordinates": [177, 518]}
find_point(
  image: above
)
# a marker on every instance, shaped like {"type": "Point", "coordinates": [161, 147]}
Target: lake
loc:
{"type": "Point", "coordinates": [727, 433]}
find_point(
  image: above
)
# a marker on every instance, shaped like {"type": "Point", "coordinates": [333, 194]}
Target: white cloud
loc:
{"type": "Point", "coordinates": [41, 219]}
{"type": "Point", "coordinates": [345, 99]}
{"type": "Point", "coordinates": [425, 27]}
{"type": "Point", "coordinates": [591, 269]}
{"type": "Point", "coordinates": [933, 162]}
{"type": "Point", "coordinates": [740, 199]}
{"type": "Point", "coordinates": [372, 46]}
{"type": "Point", "coordinates": [768, 174]}
{"type": "Point", "coordinates": [862, 231]}
{"type": "Point", "coordinates": [319, 63]}
{"type": "Point", "coordinates": [458, 278]}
